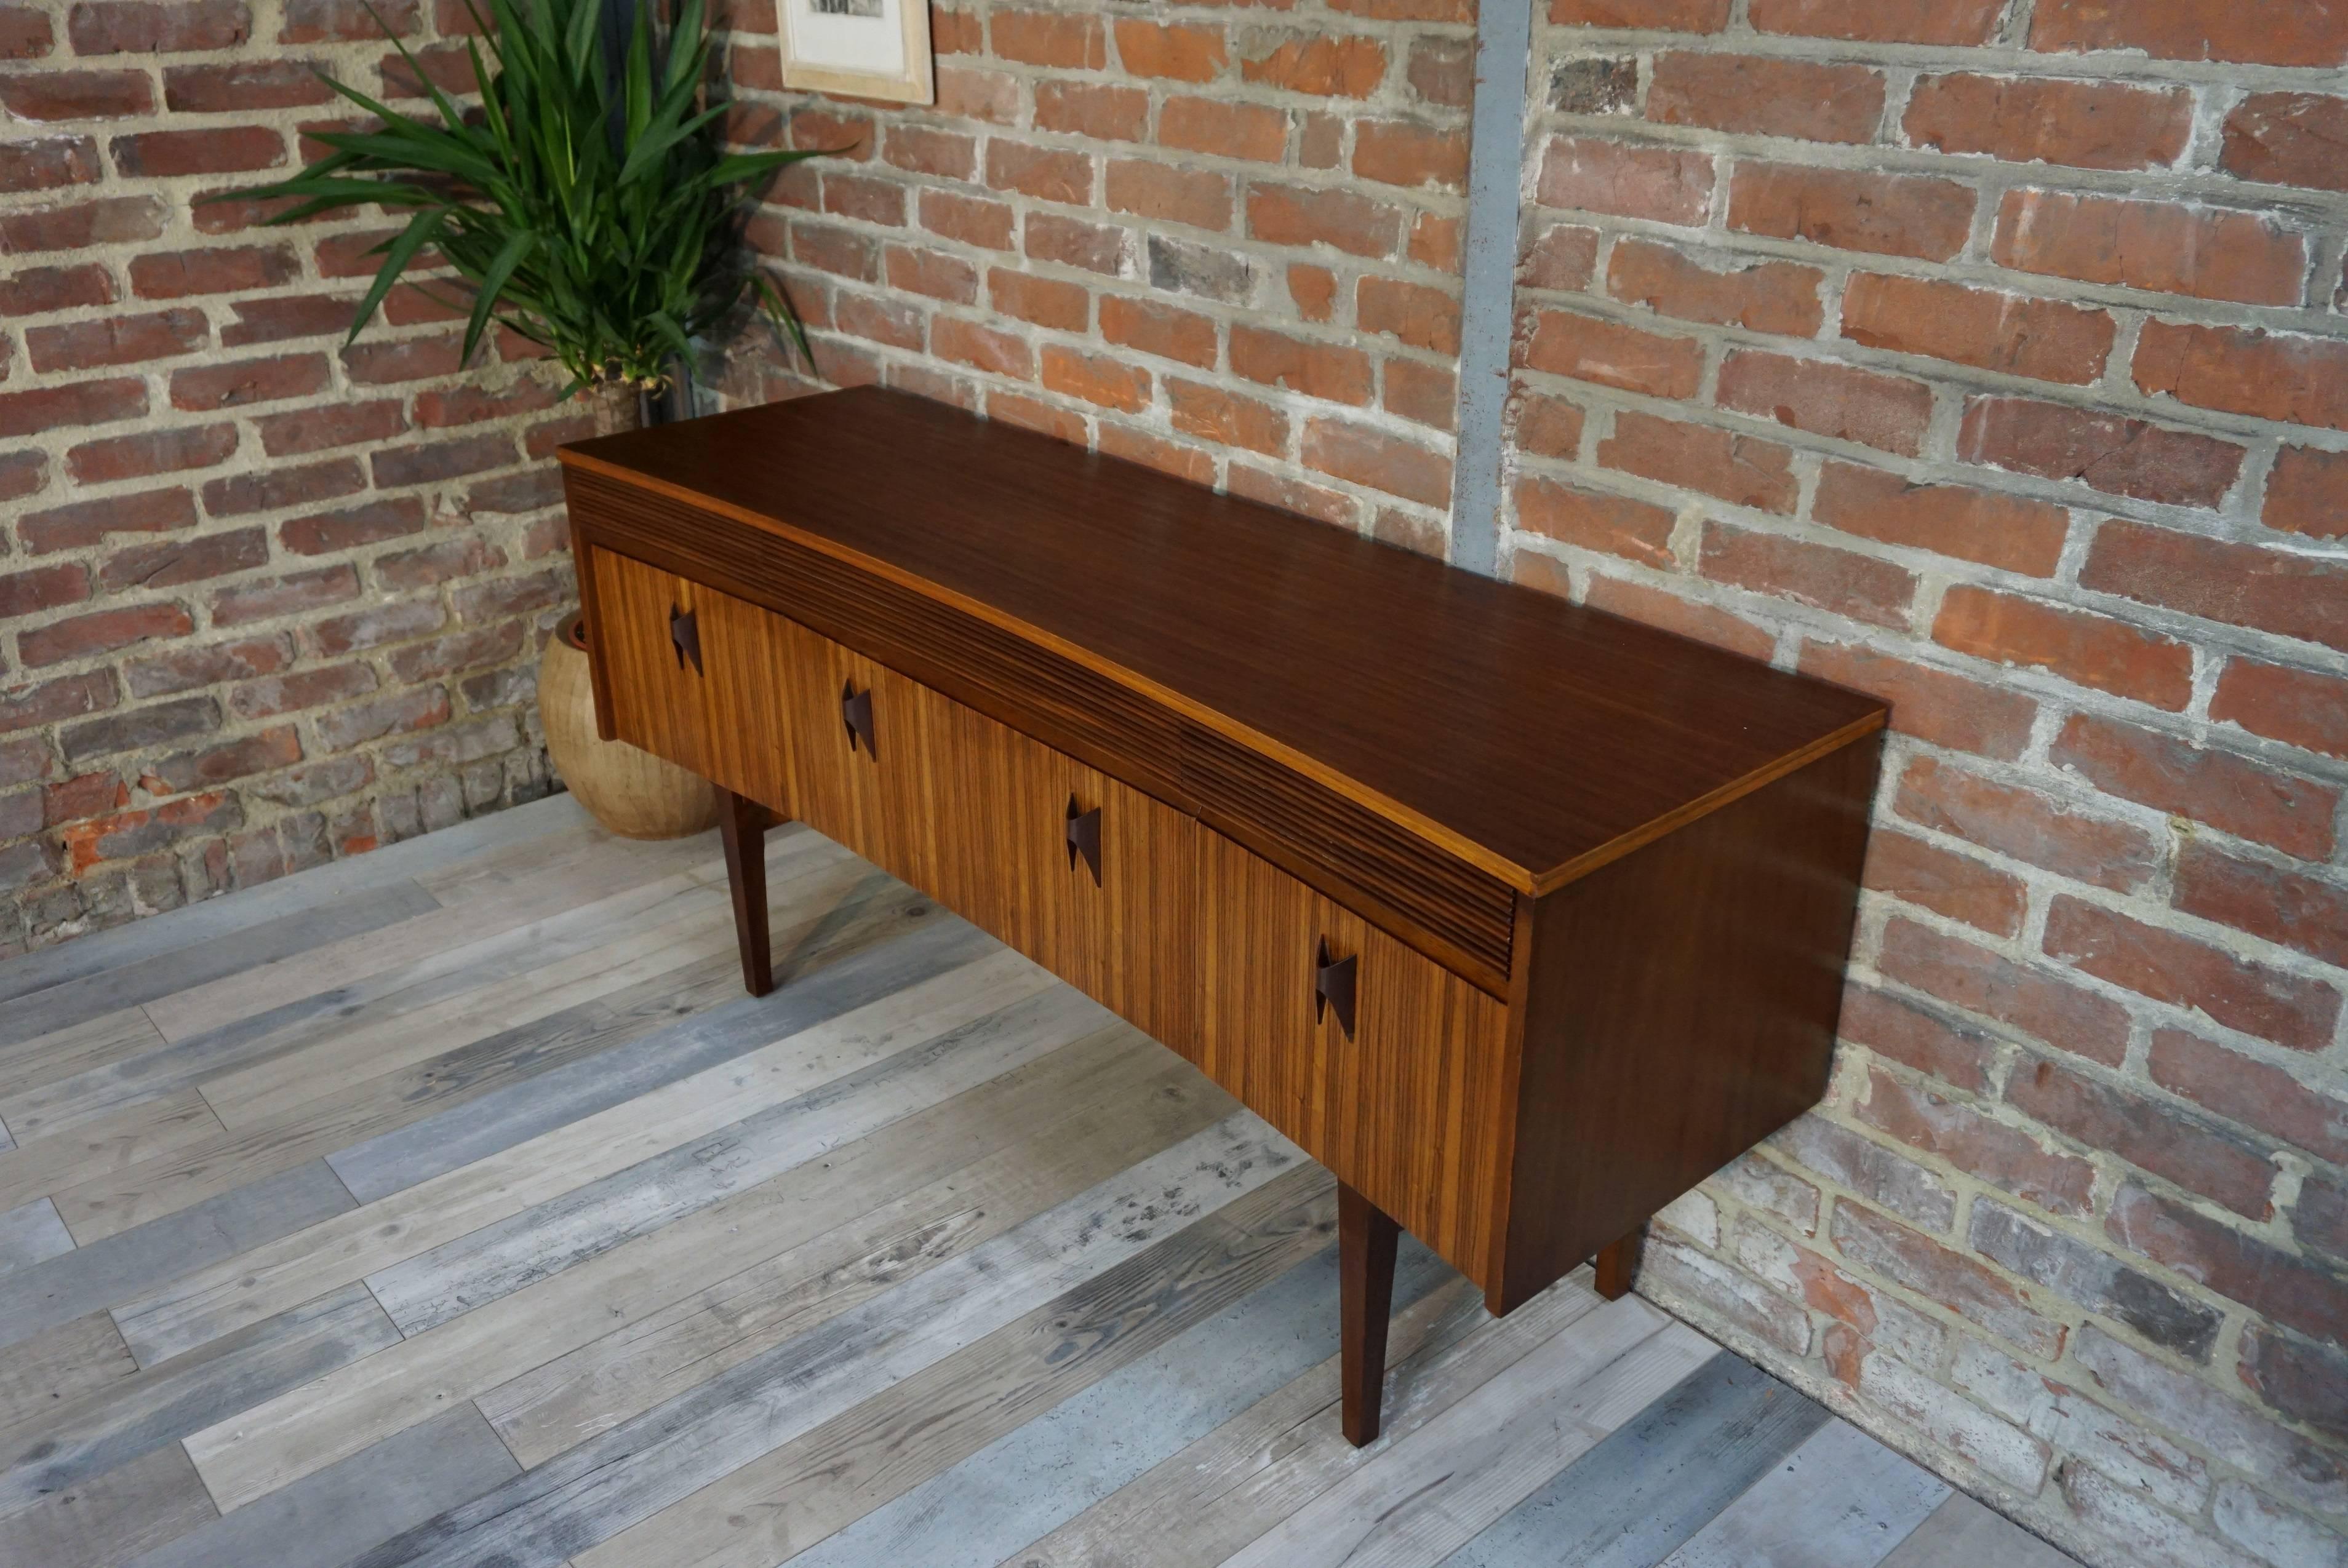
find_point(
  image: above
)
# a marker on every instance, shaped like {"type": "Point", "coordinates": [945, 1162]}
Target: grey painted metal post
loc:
{"type": "Point", "coordinates": [1503, 47]}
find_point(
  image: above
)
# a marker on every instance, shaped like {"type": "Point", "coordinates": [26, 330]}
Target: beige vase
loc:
{"type": "Point", "coordinates": [631, 792]}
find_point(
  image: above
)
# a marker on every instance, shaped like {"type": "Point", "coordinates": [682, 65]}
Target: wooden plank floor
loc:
{"type": "Point", "coordinates": [452, 1205]}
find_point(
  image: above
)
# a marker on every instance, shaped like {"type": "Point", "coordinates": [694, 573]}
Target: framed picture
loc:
{"type": "Point", "coordinates": [867, 48]}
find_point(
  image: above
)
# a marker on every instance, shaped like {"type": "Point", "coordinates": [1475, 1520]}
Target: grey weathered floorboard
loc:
{"type": "Point", "coordinates": [115, 1424]}
{"type": "Point", "coordinates": [514, 1112]}
{"type": "Point", "coordinates": [602, 1486]}
{"type": "Point", "coordinates": [124, 1267]}
{"type": "Point", "coordinates": [31, 1233]}
{"type": "Point", "coordinates": [1025, 1484]}
{"type": "Point", "coordinates": [474, 1269]}
{"type": "Point", "coordinates": [1637, 1496]}
{"type": "Point", "coordinates": [99, 1522]}
{"type": "Point", "coordinates": [62, 1005]}
{"type": "Point", "coordinates": [1840, 1500]}
{"type": "Point", "coordinates": [324, 1519]}
{"type": "Point", "coordinates": [50, 1370]}
{"type": "Point", "coordinates": [175, 931]}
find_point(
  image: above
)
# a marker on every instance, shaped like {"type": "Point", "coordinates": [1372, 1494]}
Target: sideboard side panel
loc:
{"type": "Point", "coordinates": [1680, 1007]}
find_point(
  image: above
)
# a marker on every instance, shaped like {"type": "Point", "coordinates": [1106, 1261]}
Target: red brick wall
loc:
{"type": "Point", "coordinates": [1223, 242]}
{"type": "Point", "coordinates": [262, 601]}
{"type": "Point", "coordinates": [1989, 356]}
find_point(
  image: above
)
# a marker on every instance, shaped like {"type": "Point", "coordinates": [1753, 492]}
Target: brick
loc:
{"type": "Point", "coordinates": [2094, 1279]}
{"type": "Point", "coordinates": [180, 669]}
{"type": "Point", "coordinates": [990, 96]}
{"type": "Point", "coordinates": [2305, 1293]}
{"type": "Point", "coordinates": [922, 149]}
{"type": "Point", "coordinates": [1838, 581]}
{"type": "Point", "coordinates": [1740, 469]}
{"type": "Point", "coordinates": [2196, 30]}
{"type": "Point", "coordinates": [2106, 452]}
{"type": "Point", "coordinates": [146, 27]}
{"type": "Point", "coordinates": [1169, 195]}
{"type": "Point", "coordinates": [2252, 1093]}
{"type": "Point", "coordinates": [871, 200]}
{"type": "Point", "coordinates": [1323, 63]}
{"type": "Point", "coordinates": [2307, 493]}
{"type": "Point", "coordinates": [1852, 210]}
{"type": "Point", "coordinates": [412, 359]}
{"type": "Point", "coordinates": [398, 713]}
{"type": "Point", "coordinates": [1313, 290]}
{"type": "Point", "coordinates": [1166, 331]}
{"type": "Point", "coordinates": [1211, 272]}
{"type": "Point", "coordinates": [2320, 1220]}
{"type": "Point", "coordinates": [147, 832]}
{"type": "Point", "coordinates": [472, 404]}
{"type": "Point", "coordinates": [2291, 595]}
{"type": "Point", "coordinates": [109, 221]}
{"type": "Point", "coordinates": [1092, 109]}
{"type": "Point", "coordinates": [2287, 138]}
{"type": "Point", "coordinates": [116, 339]}
{"type": "Point", "coordinates": [1034, 414]}
{"type": "Point", "coordinates": [2229, 792]}
{"type": "Point", "coordinates": [840, 252]}
{"type": "Point", "coordinates": [25, 32]}
{"type": "Point", "coordinates": [2206, 252]}
{"type": "Point", "coordinates": [1067, 39]}
{"type": "Point", "coordinates": [445, 656]}
{"type": "Point", "coordinates": [1424, 393]}
{"type": "Point", "coordinates": [1099, 379]}
{"type": "Point", "coordinates": [78, 799]}
{"type": "Point", "coordinates": [1668, 16]}
{"type": "Point", "coordinates": [1564, 257]}
{"type": "Point", "coordinates": [229, 149]}
{"type": "Point", "coordinates": [1189, 463]}
{"type": "Point", "coordinates": [1414, 313]}
{"type": "Point", "coordinates": [1878, 1174]}
{"type": "Point", "coordinates": [1956, 1425]}
{"type": "Point", "coordinates": [2043, 339]}
{"type": "Point", "coordinates": [2257, 999]}
{"type": "Point", "coordinates": [1657, 607]}
{"type": "Point", "coordinates": [1765, 296]}
{"type": "Point", "coordinates": [1377, 461]}
{"type": "Point", "coordinates": [247, 381]}
{"type": "Point", "coordinates": [77, 95]}
{"type": "Point", "coordinates": [153, 725]}
{"type": "Point", "coordinates": [291, 693]}
{"type": "Point", "coordinates": [22, 474]}
{"type": "Point", "coordinates": [1332, 372]}
{"type": "Point", "coordinates": [1416, 157]}
{"type": "Point", "coordinates": [292, 594]}
{"type": "Point", "coordinates": [242, 87]}
{"type": "Point", "coordinates": [263, 752]}
{"type": "Point", "coordinates": [2091, 649]}
{"type": "Point", "coordinates": [85, 523]}
{"type": "Point", "coordinates": [379, 624]}
{"type": "Point", "coordinates": [155, 452]}
{"type": "Point", "coordinates": [891, 321]}
{"type": "Point", "coordinates": [1946, 883]}
{"type": "Point", "coordinates": [1614, 525]}
{"type": "Point", "coordinates": [1225, 418]}
{"type": "Point", "coordinates": [1982, 983]}
{"type": "Point", "coordinates": [322, 429]}
{"type": "Point", "coordinates": [47, 164]}
{"type": "Point", "coordinates": [2026, 826]}
{"type": "Point", "coordinates": [2298, 707]}
{"type": "Point", "coordinates": [1047, 302]}
{"type": "Point", "coordinates": [2166, 1142]}
{"type": "Point", "coordinates": [1837, 401]}
{"type": "Point", "coordinates": [2008, 532]}
{"type": "Point", "coordinates": [1179, 52]}
{"type": "Point", "coordinates": [2084, 125]}
{"type": "Point", "coordinates": [1595, 85]}
{"type": "Point", "coordinates": [1094, 247]}
{"type": "Point", "coordinates": [465, 555]}
{"type": "Point", "coordinates": [1442, 71]}
{"type": "Point", "coordinates": [1591, 174]}
{"type": "Point", "coordinates": [1045, 173]}
{"type": "Point", "coordinates": [1726, 1293]}
{"type": "Point", "coordinates": [282, 487]}
{"type": "Point", "coordinates": [84, 402]}
{"type": "Point", "coordinates": [1753, 96]}
{"type": "Point", "coordinates": [24, 593]}
{"type": "Point", "coordinates": [2269, 376]}
{"type": "Point", "coordinates": [288, 316]}
{"type": "Point", "coordinates": [1949, 22]}
{"type": "Point", "coordinates": [1610, 355]}
{"type": "Point", "coordinates": [1956, 1133]}
{"type": "Point", "coordinates": [1545, 426]}
{"type": "Point", "coordinates": [45, 702]}
{"type": "Point", "coordinates": [38, 291]}
{"type": "Point", "coordinates": [1975, 1293]}
{"type": "Point", "coordinates": [424, 463]}
{"type": "Point", "coordinates": [1903, 1031]}
{"type": "Point", "coordinates": [1293, 215]}
{"type": "Point", "coordinates": [1936, 706]}
{"type": "Point", "coordinates": [176, 275]}
{"type": "Point", "coordinates": [1256, 132]}
{"type": "Point", "coordinates": [170, 563]}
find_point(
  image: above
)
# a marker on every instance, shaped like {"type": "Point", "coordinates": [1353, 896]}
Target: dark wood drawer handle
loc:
{"type": "Point", "coordinates": [684, 632]}
{"type": "Point", "coordinates": [1084, 838]}
{"type": "Point", "coordinates": [1333, 989]}
{"type": "Point", "coordinates": [856, 711]}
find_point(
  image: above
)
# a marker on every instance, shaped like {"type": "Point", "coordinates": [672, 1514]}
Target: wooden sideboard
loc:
{"type": "Point", "coordinates": [1522, 918]}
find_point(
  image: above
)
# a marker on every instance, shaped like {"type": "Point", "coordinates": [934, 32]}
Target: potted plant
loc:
{"type": "Point", "coordinates": [588, 206]}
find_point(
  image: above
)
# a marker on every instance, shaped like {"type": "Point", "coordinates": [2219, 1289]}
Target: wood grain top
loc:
{"type": "Point", "coordinates": [1541, 738]}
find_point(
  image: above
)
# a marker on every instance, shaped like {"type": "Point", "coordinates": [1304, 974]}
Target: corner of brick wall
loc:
{"type": "Point", "coordinates": [1989, 357]}
{"type": "Point", "coordinates": [264, 600]}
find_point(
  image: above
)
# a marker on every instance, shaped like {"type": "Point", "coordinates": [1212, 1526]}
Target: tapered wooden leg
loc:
{"type": "Point", "coordinates": [742, 825]}
{"type": "Point", "coordinates": [1365, 1266]}
{"type": "Point", "coordinates": [1618, 1264]}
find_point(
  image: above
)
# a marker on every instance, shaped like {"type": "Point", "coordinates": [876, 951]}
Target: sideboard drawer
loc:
{"type": "Point", "coordinates": [1407, 1100]}
{"type": "Point", "coordinates": [861, 755]}
{"type": "Point", "coordinates": [646, 629]}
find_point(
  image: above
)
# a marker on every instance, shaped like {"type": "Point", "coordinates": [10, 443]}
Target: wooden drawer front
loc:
{"type": "Point", "coordinates": [871, 797]}
{"type": "Point", "coordinates": [659, 698]}
{"type": "Point", "coordinates": [1412, 1109]}
{"type": "Point", "coordinates": [1000, 811]}
{"type": "Point", "coordinates": [752, 737]}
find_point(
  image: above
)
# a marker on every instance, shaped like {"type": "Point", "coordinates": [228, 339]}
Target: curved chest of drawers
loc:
{"type": "Point", "coordinates": [1520, 918]}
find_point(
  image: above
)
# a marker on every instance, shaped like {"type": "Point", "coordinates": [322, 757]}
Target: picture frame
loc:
{"type": "Point", "coordinates": [863, 49]}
